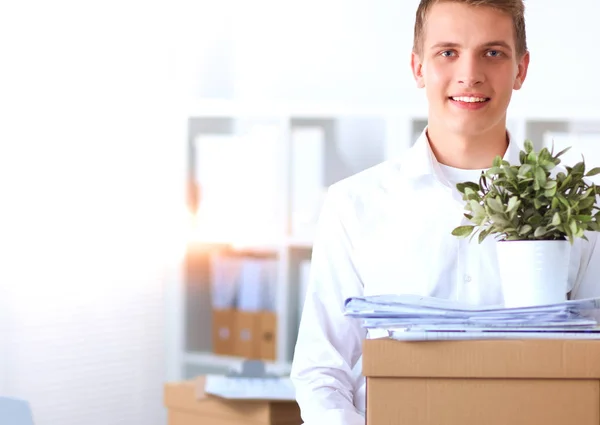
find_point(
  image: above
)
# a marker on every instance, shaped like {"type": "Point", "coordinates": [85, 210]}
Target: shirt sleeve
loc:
{"type": "Point", "coordinates": [329, 344]}
{"type": "Point", "coordinates": [588, 277]}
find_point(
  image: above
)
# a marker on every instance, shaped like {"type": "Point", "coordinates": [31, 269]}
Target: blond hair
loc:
{"type": "Point", "coordinates": [514, 8]}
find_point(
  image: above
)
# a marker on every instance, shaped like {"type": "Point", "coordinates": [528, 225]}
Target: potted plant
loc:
{"type": "Point", "coordinates": [535, 209]}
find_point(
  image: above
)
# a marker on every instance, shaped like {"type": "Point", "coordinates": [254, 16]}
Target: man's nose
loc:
{"type": "Point", "coordinates": [471, 71]}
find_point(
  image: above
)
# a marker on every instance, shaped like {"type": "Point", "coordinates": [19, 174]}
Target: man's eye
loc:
{"type": "Point", "coordinates": [448, 53]}
{"type": "Point", "coordinates": [494, 53]}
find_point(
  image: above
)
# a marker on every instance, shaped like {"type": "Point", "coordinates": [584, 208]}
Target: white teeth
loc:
{"type": "Point", "coordinates": [469, 99]}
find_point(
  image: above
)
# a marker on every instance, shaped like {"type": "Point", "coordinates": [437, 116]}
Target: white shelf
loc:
{"type": "Point", "coordinates": [255, 246]}
{"type": "Point", "coordinates": [229, 362]}
{"type": "Point", "coordinates": [517, 110]}
{"type": "Point", "coordinates": [555, 111]}
{"type": "Point", "coordinates": [349, 138]}
{"type": "Point", "coordinates": [304, 242]}
{"type": "Point", "coordinates": [224, 108]}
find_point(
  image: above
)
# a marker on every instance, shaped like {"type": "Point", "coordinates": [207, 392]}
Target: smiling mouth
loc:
{"type": "Point", "coordinates": [469, 99]}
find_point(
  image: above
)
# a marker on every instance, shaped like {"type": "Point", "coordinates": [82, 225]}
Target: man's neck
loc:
{"type": "Point", "coordinates": [467, 152]}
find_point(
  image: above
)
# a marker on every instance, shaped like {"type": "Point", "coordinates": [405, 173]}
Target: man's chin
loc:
{"type": "Point", "coordinates": [469, 127]}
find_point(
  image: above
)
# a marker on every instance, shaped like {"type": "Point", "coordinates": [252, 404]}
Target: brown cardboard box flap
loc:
{"type": "Point", "coordinates": [187, 400]}
{"type": "Point", "coordinates": [201, 393]}
{"type": "Point", "coordinates": [181, 397]}
{"type": "Point", "coordinates": [573, 359]}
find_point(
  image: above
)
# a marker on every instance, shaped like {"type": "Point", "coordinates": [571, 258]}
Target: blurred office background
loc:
{"type": "Point", "coordinates": [162, 165]}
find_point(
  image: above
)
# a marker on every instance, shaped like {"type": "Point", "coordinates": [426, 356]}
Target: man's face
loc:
{"type": "Point", "coordinates": [469, 67]}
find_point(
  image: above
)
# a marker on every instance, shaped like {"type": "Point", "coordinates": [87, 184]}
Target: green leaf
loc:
{"type": "Point", "coordinates": [500, 220]}
{"type": "Point", "coordinates": [540, 176]}
{"type": "Point", "coordinates": [540, 231]}
{"type": "Point", "coordinates": [579, 168]}
{"type": "Point", "coordinates": [495, 171]}
{"type": "Point", "coordinates": [526, 228]}
{"type": "Point", "coordinates": [535, 220]}
{"type": "Point", "coordinates": [477, 209]}
{"type": "Point", "coordinates": [563, 200]}
{"type": "Point", "coordinates": [587, 193]}
{"type": "Point", "coordinates": [586, 203]}
{"type": "Point", "coordinates": [524, 170]}
{"type": "Point", "coordinates": [528, 146]}
{"type": "Point", "coordinates": [594, 226]}
{"type": "Point", "coordinates": [566, 181]}
{"type": "Point", "coordinates": [556, 219]}
{"type": "Point", "coordinates": [463, 231]}
{"type": "Point", "coordinates": [513, 203]}
{"type": "Point", "coordinates": [583, 218]}
{"type": "Point", "coordinates": [495, 204]}
{"type": "Point", "coordinates": [593, 172]}
{"type": "Point", "coordinates": [483, 182]}
{"type": "Point", "coordinates": [562, 152]}
{"type": "Point", "coordinates": [549, 193]}
{"type": "Point", "coordinates": [484, 234]}
{"type": "Point", "coordinates": [573, 226]}
{"type": "Point", "coordinates": [462, 186]}
{"type": "Point", "coordinates": [511, 173]}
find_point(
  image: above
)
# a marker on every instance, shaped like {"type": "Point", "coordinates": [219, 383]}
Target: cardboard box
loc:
{"type": "Point", "coordinates": [247, 329]}
{"type": "Point", "coordinates": [502, 382]}
{"type": "Point", "coordinates": [249, 397]}
{"type": "Point", "coordinates": [266, 340]}
{"type": "Point", "coordinates": [251, 335]}
{"type": "Point", "coordinates": [187, 404]}
{"type": "Point", "coordinates": [255, 335]}
{"type": "Point", "coordinates": [223, 321]}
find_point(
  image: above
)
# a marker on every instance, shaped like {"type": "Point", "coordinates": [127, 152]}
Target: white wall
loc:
{"type": "Point", "coordinates": [300, 51]}
{"type": "Point", "coordinates": [347, 51]}
{"type": "Point", "coordinates": [563, 38]}
{"type": "Point", "coordinates": [351, 51]}
{"type": "Point", "coordinates": [91, 191]}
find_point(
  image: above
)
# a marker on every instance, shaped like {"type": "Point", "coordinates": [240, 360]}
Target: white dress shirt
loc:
{"type": "Point", "coordinates": [388, 230]}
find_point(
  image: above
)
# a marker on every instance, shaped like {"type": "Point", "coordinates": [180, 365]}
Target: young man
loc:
{"type": "Point", "coordinates": [388, 229]}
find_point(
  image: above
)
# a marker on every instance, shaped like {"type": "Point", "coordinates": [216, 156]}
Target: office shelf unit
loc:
{"type": "Point", "coordinates": [355, 139]}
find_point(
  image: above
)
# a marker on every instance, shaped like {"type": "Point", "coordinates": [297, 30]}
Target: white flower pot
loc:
{"type": "Point", "coordinates": [533, 272]}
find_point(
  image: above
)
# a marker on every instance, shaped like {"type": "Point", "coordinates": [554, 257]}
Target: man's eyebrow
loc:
{"type": "Point", "coordinates": [444, 44]}
{"type": "Point", "coordinates": [498, 43]}
{"type": "Point", "coordinates": [450, 44]}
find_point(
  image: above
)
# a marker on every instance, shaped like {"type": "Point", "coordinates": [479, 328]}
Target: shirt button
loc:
{"type": "Point", "coordinates": [467, 278]}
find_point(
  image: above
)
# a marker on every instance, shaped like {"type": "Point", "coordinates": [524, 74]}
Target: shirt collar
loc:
{"type": "Point", "coordinates": [420, 161]}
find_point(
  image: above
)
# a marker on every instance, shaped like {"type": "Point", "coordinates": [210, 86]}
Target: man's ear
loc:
{"type": "Point", "coordinates": [417, 69]}
{"type": "Point", "coordinates": [522, 68]}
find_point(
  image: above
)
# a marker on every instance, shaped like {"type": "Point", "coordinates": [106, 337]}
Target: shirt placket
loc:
{"type": "Point", "coordinates": [471, 278]}
{"type": "Point", "coordinates": [467, 267]}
